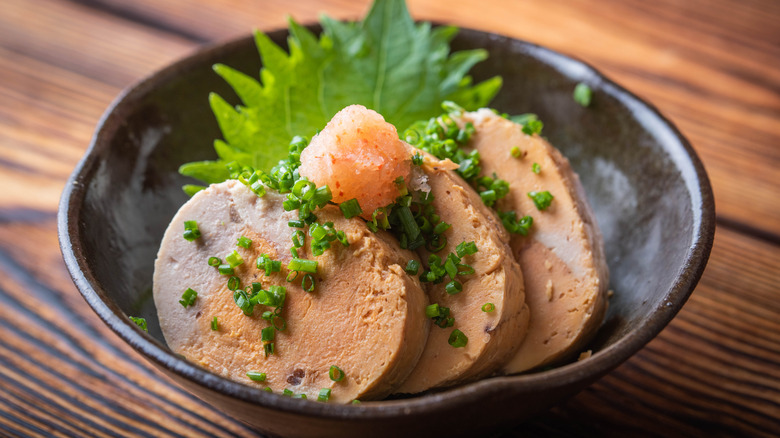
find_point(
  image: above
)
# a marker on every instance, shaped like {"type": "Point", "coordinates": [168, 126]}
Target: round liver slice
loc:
{"type": "Point", "coordinates": [366, 315]}
{"type": "Point", "coordinates": [562, 258]}
{"type": "Point", "coordinates": [492, 337]}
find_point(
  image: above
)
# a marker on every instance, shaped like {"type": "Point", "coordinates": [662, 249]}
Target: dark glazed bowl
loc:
{"type": "Point", "coordinates": [649, 190]}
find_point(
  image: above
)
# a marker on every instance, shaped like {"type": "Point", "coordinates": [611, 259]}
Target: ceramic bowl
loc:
{"type": "Point", "coordinates": [648, 188]}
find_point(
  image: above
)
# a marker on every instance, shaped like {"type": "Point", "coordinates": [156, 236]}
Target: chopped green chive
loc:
{"type": "Point", "coordinates": [257, 188]}
{"type": "Point", "coordinates": [318, 232]}
{"type": "Point", "coordinates": [291, 204]}
{"type": "Point", "coordinates": [412, 267]}
{"type": "Point", "coordinates": [583, 94]}
{"type": "Point", "coordinates": [458, 339]}
{"type": "Point", "coordinates": [535, 168]}
{"type": "Point", "coordinates": [256, 376]}
{"type": "Point", "coordinates": [516, 152]}
{"type": "Point", "coordinates": [308, 283]}
{"type": "Point", "coordinates": [140, 322]}
{"type": "Point", "coordinates": [451, 267]}
{"type": "Point", "coordinates": [301, 396]}
{"type": "Point", "coordinates": [243, 302]}
{"type": "Point", "coordinates": [488, 307]}
{"type": "Point", "coordinates": [287, 392]}
{"type": "Point", "coordinates": [296, 224]}
{"type": "Point", "coordinates": [379, 218]}
{"type": "Point", "coordinates": [410, 227]}
{"type": "Point", "coordinates": [513, 225]}
{"type": "Point", "coordinates": [214, 261]}
{"type": "Point", "coordinates": [267, 334]}
{"type": "Point", "coordinates": [273, 266]}
{"type": "Point", "coordinates": [280, 324]}
{"type": "Point", "coordinates": [234, 259]}
{"type": "Point", "coordinates": [464, 269]}
{"type": "Point", "coordinates": [542, 200]}
{"type": "Point", "coordinates": [440, 315]}
{"type": "Point", "coordinates": [188, 297]}
{"type": "Point", "coordinates": [491, 189]}
{"type": "Point", "coordinates": [244, 242]}
{"type": "Point", "coordinates": [268, 349]}
{"type": "Point", "coordinates": [412, 136]}
{"type": "Point", "coordinates": [303, 265]}
{"type": "Point", "coordinates": [225, 269]}
{"type": "Point", "coordinates": [488, 197]}
{"type": "Point", "coordinates": [453, 287]}
{"type": "Point", "coordinates": [324, 395]}
{"type": "Point", "coordinates": [252, 179]}
{"type": "Point", "coordinates": [276, 297]}
{"type": "Point", "coordinates": [417, 158]}
{"type": "Point", "coordinates": [234, 283]}
{"type": "Point", "coordinates": [321, 196]}
{"type": "Point", "coordinates": [273, 297]}
{"type": "Point", "coordinates": [268, 389]}
{"type": "Point", "coordinates": [214, 324]}
{"type": "Point", "coordinates": [466, 248]}
{"type": "Point", "coordinates": [464, 135]}
{"type": "Point", "coordinates": [441, 227]}
{"type": "Point", "coordinates": [351, 208]}
{"type": "Point", "coordinates": [265, 263]}
{"type": "Point", "coordinates": [436, 243]}
{"type": "Point", "coordinates": [336, 374]}
{"type": "Point", "coordinates": [298, 238]}
{"type": "Point", "coordinates": [533, 127]}
{"type": "Point", "coordinates": [191, 230]}
{"type": "Point", "coordinates": [322, 235]}
{"type": "Point", "coordinates": [302, 188]}
{"type": "Point", "coordinates": [469, 168]}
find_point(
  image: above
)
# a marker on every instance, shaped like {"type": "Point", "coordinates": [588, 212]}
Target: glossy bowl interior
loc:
{"type": "Point", "coordinates": [650, 193]}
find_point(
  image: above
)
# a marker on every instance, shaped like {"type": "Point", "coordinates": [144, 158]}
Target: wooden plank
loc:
{"type": "Point", "coordinates": [87, 41]}
{"type": "Point", "coordinates": [47, 118]}
{"type": "Point", "coordinates": [210, 21]}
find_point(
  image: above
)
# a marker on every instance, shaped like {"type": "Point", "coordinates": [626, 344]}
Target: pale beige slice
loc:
{"type": "Point", "coordinates": [366, 315]}
{"type": "Point", "coordinates": [492, 337]}
{"type": "Point", "coordinates": [562, 258]}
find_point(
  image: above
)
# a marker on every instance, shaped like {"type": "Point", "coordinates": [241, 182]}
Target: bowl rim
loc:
{"type": "Point", "coordinates": [678, 147]}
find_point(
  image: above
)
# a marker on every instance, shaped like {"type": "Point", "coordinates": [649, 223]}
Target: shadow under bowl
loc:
{"type": "Point", "coordinates": [645, 183]}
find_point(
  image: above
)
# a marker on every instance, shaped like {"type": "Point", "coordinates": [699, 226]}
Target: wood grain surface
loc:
{"type": "Point", "coordinates": [711, 66]}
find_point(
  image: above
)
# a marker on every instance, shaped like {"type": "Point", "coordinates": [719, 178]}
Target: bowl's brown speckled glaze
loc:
{"type": "Point", "coordinates": [648, 188]}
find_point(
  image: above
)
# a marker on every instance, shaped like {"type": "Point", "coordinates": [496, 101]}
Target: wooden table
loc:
{"type": "Point", "coordinates": [711, 66]}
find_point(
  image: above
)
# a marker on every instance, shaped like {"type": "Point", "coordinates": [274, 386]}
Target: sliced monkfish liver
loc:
{"type": "Point", "coordinates": [365, 316]}
{"type": "Point", "coordinates": [562, 258]}
{"type": "Point", "coordinates": [492, 337]}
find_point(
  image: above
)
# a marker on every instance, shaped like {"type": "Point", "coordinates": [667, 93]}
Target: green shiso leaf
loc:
{"type": "Point", "coordinates": [387, 62]}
